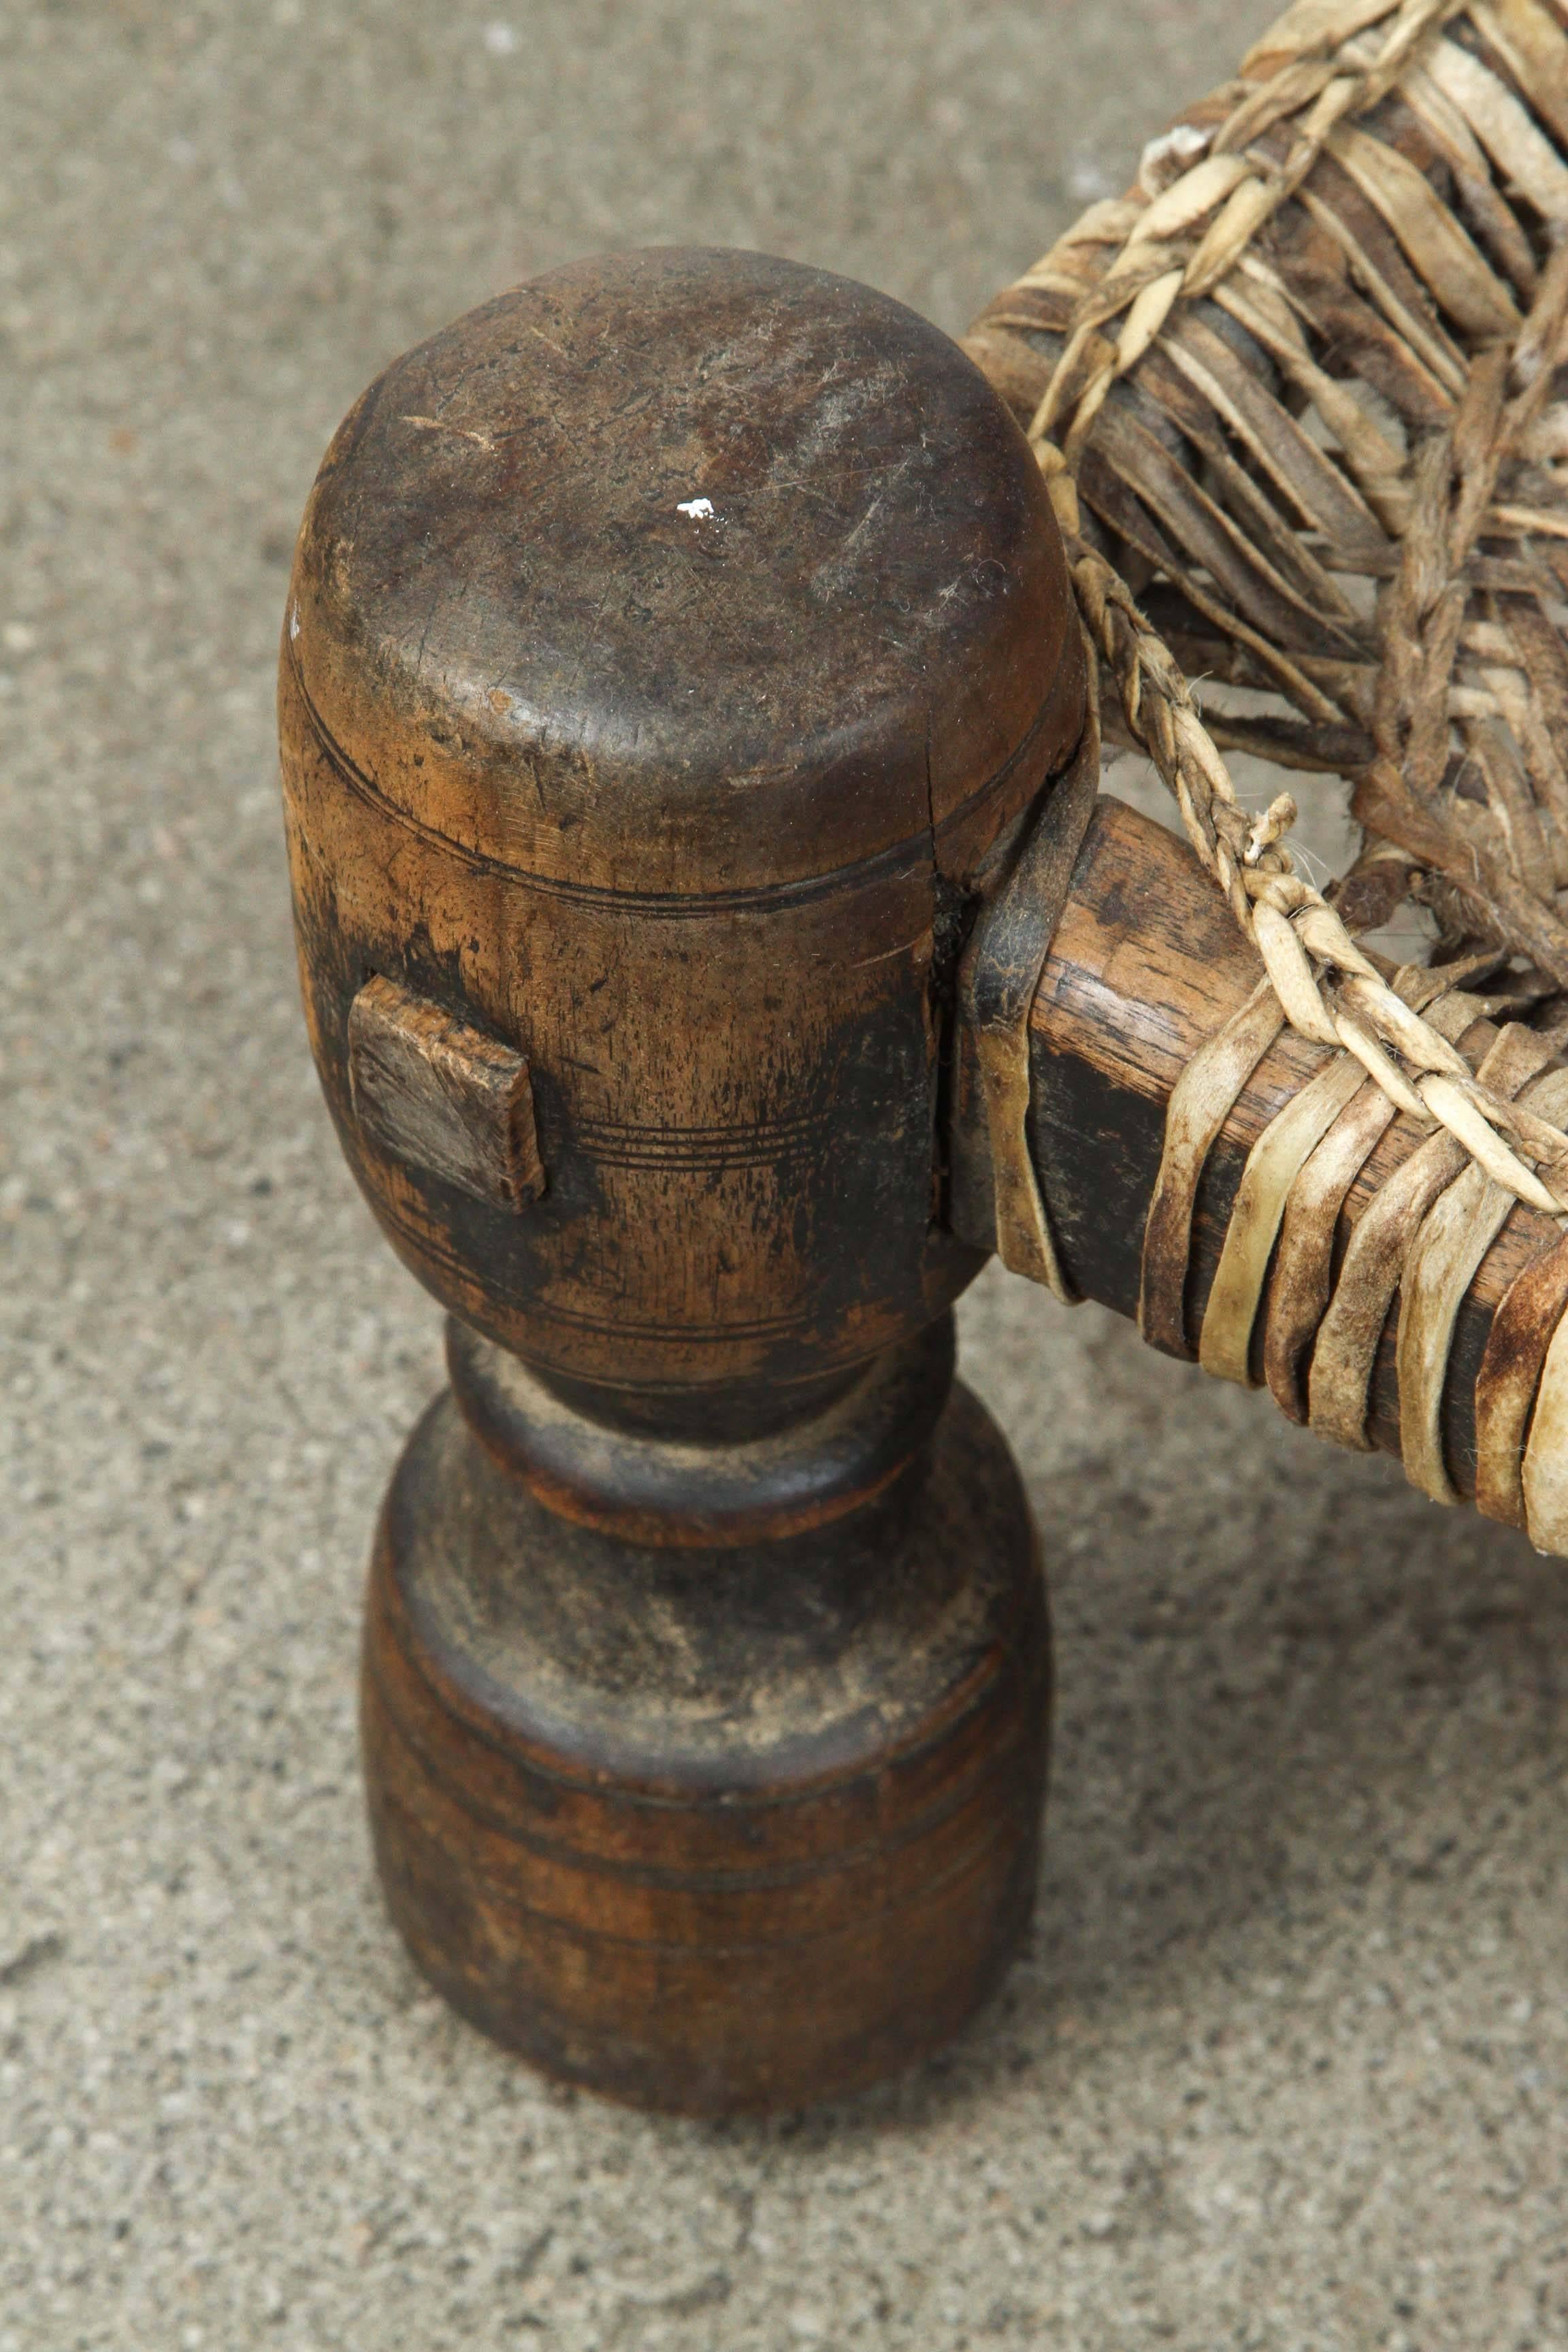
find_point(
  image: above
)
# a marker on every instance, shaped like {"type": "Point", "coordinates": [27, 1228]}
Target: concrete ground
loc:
{"type": "Point", "coordinates": [1284, 2064]}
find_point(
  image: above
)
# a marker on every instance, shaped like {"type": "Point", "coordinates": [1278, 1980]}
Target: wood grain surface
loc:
{"type": "Point", "coordinates": [686, 808]}
{"type": "Point", "coordinates": [709, 1832]}
{"type": "Point", "coordinates": [435, 1093]}
{"type": "Point", "coordinates": [1146, 964]}
{"type": "Point", "coordinates": [674, 649]}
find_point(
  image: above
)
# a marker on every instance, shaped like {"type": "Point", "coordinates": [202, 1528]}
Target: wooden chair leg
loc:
{"type": "Point", "coordinates": [719, 1826]}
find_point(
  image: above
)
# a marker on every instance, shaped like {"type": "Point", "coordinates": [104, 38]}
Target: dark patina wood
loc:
{"type": "Point", "coordinates": [1146, 963]}
{"type": "Point", "coordinates": [708, 1830]}
{"type": "Point", "coordinates": [674, 649]}
{"type": "Point", "coordinates": [681, 805]}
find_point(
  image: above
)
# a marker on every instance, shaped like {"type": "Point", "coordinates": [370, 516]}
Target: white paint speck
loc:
{"type": "Point", "coordinates": [500, 40]}
{"type": "Point", "coordinates": [293, 622]}
{"type": "Point", "coordinates": [700, 509]}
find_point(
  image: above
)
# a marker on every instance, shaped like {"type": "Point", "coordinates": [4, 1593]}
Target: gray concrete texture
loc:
{"type": "Point", "coordinates": [1285, 2062]}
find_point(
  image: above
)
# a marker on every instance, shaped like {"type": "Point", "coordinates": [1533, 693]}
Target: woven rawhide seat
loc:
{"type": "Point", "coordinates": [1301, 400]}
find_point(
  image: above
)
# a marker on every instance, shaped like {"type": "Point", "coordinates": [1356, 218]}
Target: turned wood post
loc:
{"type": "Point", "coordinates": [674, 647]}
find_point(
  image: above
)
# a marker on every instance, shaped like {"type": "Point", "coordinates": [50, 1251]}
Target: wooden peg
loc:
{"type": "Point", "coordinates": [434, 1092]}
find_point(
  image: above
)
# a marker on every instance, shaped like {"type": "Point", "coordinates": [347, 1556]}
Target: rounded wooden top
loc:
{"type": "Point", "coordinates": [686, 572]}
